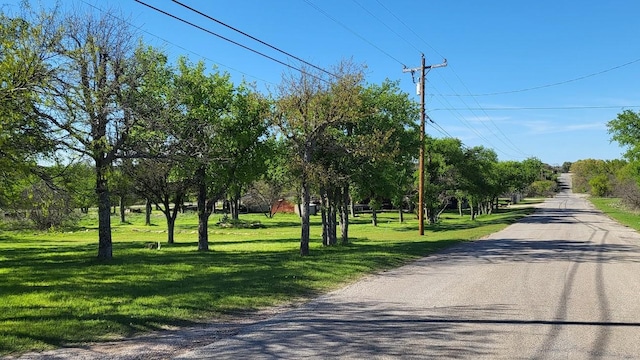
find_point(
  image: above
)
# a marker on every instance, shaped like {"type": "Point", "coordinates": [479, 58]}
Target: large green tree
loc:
{"type": "Point", "coordinates": [246, 143]}
{"type": "Point", "coordinates": [97, 67]}
{"type": "Point", "coordinates": [308, 107]}
{"type": "Point", "coordinates": [203, 135]}
{"type": "Point", "coordinates": [386, 144]}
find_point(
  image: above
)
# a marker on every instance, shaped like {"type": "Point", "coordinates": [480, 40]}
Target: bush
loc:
{"type": "Point", "coordinates": [600, 185]}
{"type": "Point", "coordinates": [543, 188]}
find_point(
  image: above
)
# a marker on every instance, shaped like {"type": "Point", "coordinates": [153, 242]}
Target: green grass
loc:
{"type": "Point", "coordinates": [615, 209]}
{"type": "Point", "coordinates": [54, 292]}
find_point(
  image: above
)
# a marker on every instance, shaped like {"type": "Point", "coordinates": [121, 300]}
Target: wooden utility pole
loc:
{"type": "Point", "coordinates": [423, 73]}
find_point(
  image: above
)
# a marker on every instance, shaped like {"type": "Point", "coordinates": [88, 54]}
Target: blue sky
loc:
{"type": "Point", "coordinates": [526, 78]}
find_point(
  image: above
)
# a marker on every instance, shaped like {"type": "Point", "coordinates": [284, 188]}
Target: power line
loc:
{"type": "Point", "coordinates": [176, 45]}
{"type": "Point", "coordinates": [253, 38]}
{"type": "Point", "coordinates": [410, 29]}
{"type": "Point", "coordinates": [385, 24]}
{"type": "Point", "coordinates": [510, 144]}
{"type": "Point", "coordinates": [456, 114]}
{"type": "Point", "coordinates": [554, 84]}
{"type": "Point", "coordinates": [351, 31]}
{"type": "Point", "coordinates": [227, 39]}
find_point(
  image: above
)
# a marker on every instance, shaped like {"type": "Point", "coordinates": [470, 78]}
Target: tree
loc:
{"type": "Point", "coordinates": [625, 130]}
{"type": "Point", "coordinates": [584, 170]}
{"type": "Point", "coordinates": [307, 107]}
{"type": "Point", "coordinates": [245, 145]}
{"type": "Point", "coordinates": [77, 179]}
{"type": "Point", "coordinates": [26, 43]}
{"type": "Point", "coordinates": [203, 136]}
{"type": "Point", "coordinates": [97, 69]}
{"type": "Point", "coordinates": [479, 164]}
{"type": "Point", "coordinates": [444, 167]}
{"type": "Point", "coordinates": [159, 173]}
{"type": "Point", "coordinates": [385, 143]}
{"type": "Point", "coordinates": [275, 183]}
{"type": "Point", "coordinates": [122, 189]}
{"type": "Point", "coordinates": [160, 182]}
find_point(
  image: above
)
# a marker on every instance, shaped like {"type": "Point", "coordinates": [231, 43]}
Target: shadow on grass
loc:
{"type": "Point", "coordinates": [506, 217]}
{"type": "Point", "coordinates": [56, 295]}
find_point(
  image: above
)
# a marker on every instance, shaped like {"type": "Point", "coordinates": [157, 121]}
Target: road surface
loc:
{"type": "Point", "coordinates": [562, 284]}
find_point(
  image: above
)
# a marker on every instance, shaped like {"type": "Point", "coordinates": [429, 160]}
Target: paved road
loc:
{"type": "Point", "coordinates": [562, 284]}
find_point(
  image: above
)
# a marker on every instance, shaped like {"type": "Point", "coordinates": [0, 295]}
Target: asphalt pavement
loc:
{"type": "Point", "coordinates": [561, 284]}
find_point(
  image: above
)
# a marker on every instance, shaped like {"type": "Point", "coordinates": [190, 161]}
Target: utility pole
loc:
{"type": "Point", "coordinates": [423, 73]}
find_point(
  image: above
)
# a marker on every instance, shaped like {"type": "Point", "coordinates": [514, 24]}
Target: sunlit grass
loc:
{"type": "Point", "coordinates": [615, 209]}
{"type": "Point", "coordinates": [55, 292]}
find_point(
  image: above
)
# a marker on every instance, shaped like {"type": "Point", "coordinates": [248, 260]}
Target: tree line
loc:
{"type": "Point", "coordinates": [81, 91]}
{"type": "Point", "coordinates": [617, 177]}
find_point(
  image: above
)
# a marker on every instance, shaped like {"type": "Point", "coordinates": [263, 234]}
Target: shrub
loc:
{"type": "Point", "coordinates": [543, 188]}
{"type": "Point", "coordinates": [600, 185]}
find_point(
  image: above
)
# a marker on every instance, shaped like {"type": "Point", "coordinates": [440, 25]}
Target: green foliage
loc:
{"type": "Point", "coordinates": [385, 143]}
{"type": "Point", "coordinates": [53, 292]}
{"type": "Point", "coordinates": [26, 41]}
{"type": "Point", "coordinates": [585, 170]}
{"type": "Point", "coordinates": [600, 185]}
{"type": "Point", "coordinates": [625, 130]}
{"type": "Point", "coordinates": [544, 188]}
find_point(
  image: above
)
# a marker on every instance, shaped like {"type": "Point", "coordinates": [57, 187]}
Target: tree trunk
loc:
{"type": "Point", "coordinates": [473, 211]}
{"type": "Point", "coordinates": [171, 225]}
{"type": "Point", "coordinates": [147, 213]}
{"type": "Point", "coordinates": [346, 203]}
{"type": "Point", "coordinates": [401, 215]}
{"type": "Point", "coordinates": [234, 205]}
{"type": "Point", "coordinates": [304, 218]}
{"type": "Point", "coordinates": [374, 217]}
{"type": "Point", "coordinates": [332, 217]}
{"type": "Point", "coordinates": [122, 210]}
{"type": "Point", "coordinates": [203, 214]}
{"type": "Point", "coordinates": [105, 250]}
{"type": "Point", "coordinates": [324, 214]}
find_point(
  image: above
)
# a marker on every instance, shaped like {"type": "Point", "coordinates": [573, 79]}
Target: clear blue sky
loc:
{"type": "Point", "coordinates": [546, 75]}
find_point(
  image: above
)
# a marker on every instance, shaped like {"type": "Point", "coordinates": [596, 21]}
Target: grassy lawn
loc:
{"type": "Point", "coordinates": [54, 292]}
{"type": "Point", "coordinates": [616, 210]}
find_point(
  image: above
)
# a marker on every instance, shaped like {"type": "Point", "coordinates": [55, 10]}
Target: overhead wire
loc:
{"type": "Point", "coordinates": [176, 45]}
{"type": "Point", "coordinates": [409, 28]}
{"type": "Point", "coordinates": [252, 37]}
{"type": "Point", "coordinates": [456, 114]}
{"type": "Point", "coordinates": [228, 40]}
{"type": "Point", "coordinates": [326, 14]}
{"type": "Point", "coordinates": [505, 139]}
{"type": "Point", "coordinates": [508, 143]}
{"type": "Point", "coordinates": [385, 25]}
{"type": "Point", "coordinates": [553, 84]}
